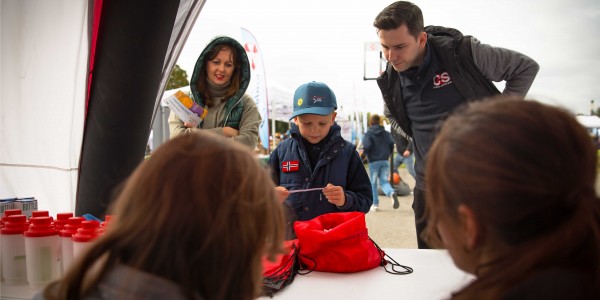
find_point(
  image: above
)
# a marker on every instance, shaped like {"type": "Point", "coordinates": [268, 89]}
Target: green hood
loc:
{"type": "Point", "coordinates": [243, 62]}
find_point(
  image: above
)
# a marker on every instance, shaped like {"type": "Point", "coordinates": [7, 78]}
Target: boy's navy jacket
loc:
{"type": "Point", "coordinates": [338, 164]}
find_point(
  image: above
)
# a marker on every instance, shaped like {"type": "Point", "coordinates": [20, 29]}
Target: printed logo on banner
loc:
{"type": "Point", "coordinates": [290, 166]}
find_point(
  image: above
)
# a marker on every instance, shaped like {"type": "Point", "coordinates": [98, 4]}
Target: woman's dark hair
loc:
{"type": "Point", "coordinates": [236, 77]}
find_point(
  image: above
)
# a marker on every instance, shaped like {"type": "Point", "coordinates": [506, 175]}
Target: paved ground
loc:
{"type": "Point", "coordinates": [394, 228]}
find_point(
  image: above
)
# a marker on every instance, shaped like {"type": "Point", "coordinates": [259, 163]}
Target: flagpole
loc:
{"type": "Point", "coordinates": [273, 123]}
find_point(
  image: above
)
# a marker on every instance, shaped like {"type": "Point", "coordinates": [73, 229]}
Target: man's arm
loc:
{"type": "Point", "coordinates": [500, 64]}
{"type": "Point", "coordinates": [401, 141]}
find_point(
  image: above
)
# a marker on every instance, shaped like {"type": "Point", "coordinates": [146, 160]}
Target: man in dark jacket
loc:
{"type": "Point", "coordinates": [378, 145]}
{"type": "Point", "coordinates": [431, 71]}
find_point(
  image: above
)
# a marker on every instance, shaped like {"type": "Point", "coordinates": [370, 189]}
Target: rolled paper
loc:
{"type": "Point", "coordinates": [191, 105]}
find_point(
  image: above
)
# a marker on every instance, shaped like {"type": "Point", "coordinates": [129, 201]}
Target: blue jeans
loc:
{"type": "Point", "coordinates": [409, 162]}
{"type": "Point", "coordinates": [380, 170]}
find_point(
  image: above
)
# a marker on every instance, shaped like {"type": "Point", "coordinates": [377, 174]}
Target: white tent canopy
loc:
{"type": "Point", "coordinates": [589, 121]}
{"type": "Point", "coordinates": [44, 59]}
{"type": "Point", "coordinates": [67, 79]}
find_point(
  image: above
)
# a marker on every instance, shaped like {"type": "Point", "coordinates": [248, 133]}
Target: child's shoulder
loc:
{"type": "Point", "coordinates": [286, 144]}
{"type": "Point", "coordinates": [348, 144]}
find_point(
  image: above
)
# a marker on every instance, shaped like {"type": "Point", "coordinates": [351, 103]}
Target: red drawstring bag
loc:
{"type": "Point", "coordinates": [281, 272]}
{"type": "Point", "coordinates": [337, 242]}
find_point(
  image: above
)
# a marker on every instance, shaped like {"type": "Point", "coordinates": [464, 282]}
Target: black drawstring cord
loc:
{"type": "Point", "coordinates": [407, 270]}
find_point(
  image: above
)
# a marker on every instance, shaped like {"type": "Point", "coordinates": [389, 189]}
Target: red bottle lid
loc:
{"type": "Point", "coordinates": [107, 219]}
{"type": "Point", "coordinates": [15, 224]}
{"type": "Point", "coordinates": [87, 232]}
{"type": "Point", "coordinates": [71, 227]}
{"type": "Point", "coordinates": [61, 220]}
{"type": "Point", "coordinates": [40, 227]}
{"type": "Point", "coordinates": [40, 213]}
{"type": "Point", "coordinates": [10, 212]}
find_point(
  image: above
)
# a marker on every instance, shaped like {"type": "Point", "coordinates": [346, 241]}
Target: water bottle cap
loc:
{"type": "Point", "coordinates": [64, 216]}
{"type": "Point", "coordinates": [87, 232]}
{"type": "Point", "coordinates": [40, 227]}
{"type": "Point", "coordinates": [15, 224]}
{"type": "Point", "coordinates": [10, 212]}
{"type": "Point", "coordinates": [71, 227]}
{"type": "Point", "coordinates": [40, 213]}
{"type": "Point", "coordinates": [107, 219]}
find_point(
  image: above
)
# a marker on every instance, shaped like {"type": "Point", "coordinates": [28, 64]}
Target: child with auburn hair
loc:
{"type": "Point", "coordinates": [192, 222]}
{"type": "Point", "coordinates": [511, 195]}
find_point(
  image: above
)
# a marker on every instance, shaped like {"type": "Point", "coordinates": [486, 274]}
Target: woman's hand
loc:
{"type": "Point", "coordinates": [190, 124]}
{"type": "Point", "coordinates": [230, 132]}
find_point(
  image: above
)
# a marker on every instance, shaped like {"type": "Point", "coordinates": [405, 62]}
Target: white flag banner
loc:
{"type": "Point", "coordinates": [258, 84]}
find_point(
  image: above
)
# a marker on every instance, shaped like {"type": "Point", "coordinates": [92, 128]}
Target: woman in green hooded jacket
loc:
{"type": "Point", "coordinates": [219, 82]}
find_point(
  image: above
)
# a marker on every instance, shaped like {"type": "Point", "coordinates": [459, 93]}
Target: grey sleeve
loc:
{"type": "Point", "coordinates": [395, 126]}
{"type": "Point", "coordinates": [500, 64]}
{"type": "Point", "coordinates": [176, 126]}
{"type": "Point", "coordinates": [251, 119]}
{"type": "Point", "coordinates": [388, 115]}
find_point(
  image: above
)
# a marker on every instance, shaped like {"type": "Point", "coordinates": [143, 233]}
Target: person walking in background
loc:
{"type": "Point", "coordinates": [378, 146]}
{"type": "Point", "coordinates": [519, 212]}
{"type": "Point", "coordinates": [316, 171]}
{"type": "Point", "coordinates": [219, 82]}
{"type": "Point", "coordinates": [405, 156]}
{"type": "Point", "coordinates": [432, 70]}
{"type": "Point", "coordinates": [193, 221]}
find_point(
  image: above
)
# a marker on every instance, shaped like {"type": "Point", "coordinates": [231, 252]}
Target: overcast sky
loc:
{"type": "Point", "coordinates": [324, 41]}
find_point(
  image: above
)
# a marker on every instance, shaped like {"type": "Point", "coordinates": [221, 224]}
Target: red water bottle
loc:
{"type": "Point", "coordinates": [14, 269]}
{"type": "Point", "coordinates": [66, 243]}
{"type": "Point", "coordinates": [61, 220]}
{"type": "Point", "coordinates": [86, 233]}
{"type": "Point", "coordinates": [41, 249]}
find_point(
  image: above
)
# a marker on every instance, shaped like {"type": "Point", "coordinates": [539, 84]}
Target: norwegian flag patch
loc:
{"type": "Point", "coordinates": [290, 166]}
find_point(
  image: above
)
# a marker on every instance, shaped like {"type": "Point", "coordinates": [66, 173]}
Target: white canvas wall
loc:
{"type": "Point", "coordinates": [43, 65]}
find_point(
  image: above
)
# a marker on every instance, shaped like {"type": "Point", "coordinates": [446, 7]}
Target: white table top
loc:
{"type": "Point", "coordinates": [434, 277]}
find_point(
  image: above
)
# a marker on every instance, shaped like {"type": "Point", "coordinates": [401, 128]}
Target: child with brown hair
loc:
{"type": "Point", "coordinates": [190, 223]}
{"type": "Point", "coordinates": [511, 195]}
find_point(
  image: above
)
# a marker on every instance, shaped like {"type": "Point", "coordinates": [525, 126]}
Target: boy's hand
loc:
{"type": "Point", "coordinates": [282, 193]}
{"type": "Point", "coordinates": [335, 194]}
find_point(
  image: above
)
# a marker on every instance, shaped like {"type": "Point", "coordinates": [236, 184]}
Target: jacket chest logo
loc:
{"type": "Point", "coordinates": [290, 166]}
{"type": "Point", "coordinates": [441, 80]}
